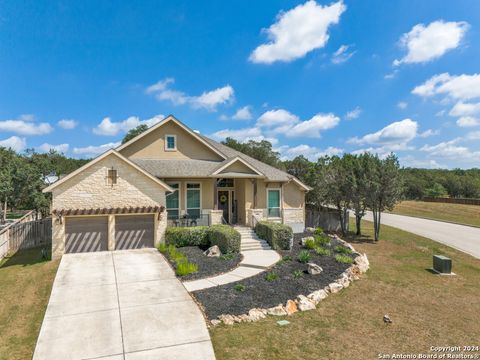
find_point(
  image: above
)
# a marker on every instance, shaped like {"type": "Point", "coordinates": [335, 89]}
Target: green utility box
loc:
{"type": "Point", "coordinates": [442, 264]}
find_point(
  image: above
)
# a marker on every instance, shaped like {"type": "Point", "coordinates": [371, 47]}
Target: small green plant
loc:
{"type": "Point", "coordinates": [342, 250]}
{"type": "Point", "coordinates": [239, 287]}
{"type": "Point", "coordinates": [304, 256]}
{"type": "Point", "coordinates": [344, 259]}
{"type": "Point", "coordinates": [297, 274]}
{"type": "Point", "coordinates": [185, 267]}
{"type": "Point", "coordinates": [309, 244]}
{"type": "Point", "coordinates": [271, 276]}
{"type": "Point", "coordinates": [318, 231]}
{"type": "Point", "coordinates": [287, 258]}
{"type": "Point", "coordinates": [228, 256]}
{"type": "Point", "coordinates": [322, 251]}
{"type": "Point", "coordinates": [322, 239]}
{"type": "Point", "coordinates": [162, 248]}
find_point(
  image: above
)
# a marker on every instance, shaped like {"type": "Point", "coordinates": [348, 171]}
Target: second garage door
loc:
{"type": "Point", "coordinates": [133, 231]}
{"type": "Point", "coordinates": [85, 234]}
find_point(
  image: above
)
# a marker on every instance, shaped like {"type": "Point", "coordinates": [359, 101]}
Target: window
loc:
{"type": "Point", "coordinates": [173, 202]}
{"type": "Point", "coordinates": [111, 177]}
{"type": "Point", "coordinates": [193, 200]}
{"type": "Point", "coordinates": [225, 183]}
{"type": "Point", "coordinates": [273, 199]}
{"type": "Point", "coordinates": [170, 142]}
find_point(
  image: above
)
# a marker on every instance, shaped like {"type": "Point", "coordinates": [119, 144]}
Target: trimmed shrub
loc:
{"type": "Point", "coordinates": [185, 267]}
{"type": "Point", "coordinates": [278, 236]}
{"type": "Point", "coordinates": [225, 237]}
{"type": "Point", "coordinates": [304, 256]}
{"type": "Point", "coordinates": [187, 236]}
{"type": "Point", "coordinates": [344, 259]}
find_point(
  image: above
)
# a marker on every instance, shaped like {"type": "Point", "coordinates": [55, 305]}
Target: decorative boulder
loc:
{"type": "Point", "coordinates": [314, 269]}
{"type": "Point", "coordinates": [305, 303]}
{"type": "Point", "coordinates": [256, 314]}
{"type": "Point", "coordinates": [310, 230]}
{"type": "Point", "coordinates": [215, 322]}
{"type": "Point", "coordinates": [213, 251]}
{"type": "Point", "coordinates": [227, 319]}
{"type": "Point", "coordinates": [362, 263]}
{"type": "Point", "coordinates": [334, 287]}
{"type": "Point", "coordinates": [278, 310]}
{"type": "Point", "coordinates": [318, 296]}
{"type": "Point", "coordinates": [304, 240]}
{"type": "Point", "coordinates": [291, 307]}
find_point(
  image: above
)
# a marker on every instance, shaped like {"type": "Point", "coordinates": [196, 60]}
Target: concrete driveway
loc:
{"type": "Point", "coordinates": [460, 237]}
{"type": "Point", "coordinates": [121, 305]}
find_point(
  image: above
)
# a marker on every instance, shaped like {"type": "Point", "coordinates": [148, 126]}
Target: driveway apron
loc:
{"type": "Point", "coordinates": [121, 305]}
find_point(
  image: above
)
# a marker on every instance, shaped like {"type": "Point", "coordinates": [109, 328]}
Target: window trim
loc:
{"type": "Point", "coordinates": [166, 142]}
{"type": "Point", "coordinates": [280, 205]}
{"type": "Point", "coordinates": [186, 195]}
{"type": "Point", "coordinates": [179, 197]}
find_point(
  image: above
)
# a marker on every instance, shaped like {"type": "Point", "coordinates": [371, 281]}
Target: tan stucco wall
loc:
{"type": "Point", "coordinates": [240, 197]}
{"type": "Point", "coordinates": [89, 189]}
{"type": "Point", "coordinates": [237, 166]}
{"type": "Point", "coordinates": [293, 196]}
{"type": "Point", "coordinates": [152, 146]}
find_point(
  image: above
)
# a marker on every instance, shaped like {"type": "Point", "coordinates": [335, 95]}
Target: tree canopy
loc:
{"type": "Point", "coordinates": [134, 132]}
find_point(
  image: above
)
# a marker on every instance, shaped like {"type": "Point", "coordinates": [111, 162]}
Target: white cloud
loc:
{"type": "Point", "coordinates": [457, 87]}
{"type": "Point", "coordinates": [67, 124]}
{"type": "Point", "coordinates": [208, 100]}
{"type": "Point", "coordinates": [108, 127]}
{"type": "Point", "coordinates": [242, 135]}
{"type": "Point", "coordinates": [15, 143]}
{"type": "Point", "coordinates": [396, 135]}
{"type": "Point", "coordinates": [402, 105]}
{"type": "Point", "coordinates": [61, 148]}
{"type": "Point", "coordinates": [278, 117]}
{"type": "Point", "coordinates": [448, 149]}
{"type": "Point", "coordinates": [426, 43]}
{"type": "Point", "coordinates": [25, 125]}
{"type": "Point", "coordinates": [313, 127]}
{"type": "Point", "coordinates": [465, 109]}
{"type": "Point", "coordinates": [381, 151]}
{"type": "Point", "coordinates": [468, 121]}
{"type": "Point", "coordinates": [342, 54]}
{"type": "Point", "coordinates": [297, 32]}
{"type": "Point", "coordinates": [310, 152]}
{"type": "Point", "coordinates": [243, 113]}
{"type": "Point", "coordinates": [90, 151]}
{"type": "Point", "coordinates": [411, 161]}
{"type": "Point", "coordinates": [474, 135]}
{"type": "Point", "coordinates": [428, 133]}
{"type": "Point", "coordinates": [353, 114]}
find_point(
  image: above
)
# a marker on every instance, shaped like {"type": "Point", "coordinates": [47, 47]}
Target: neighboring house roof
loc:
{"type": "Point", "coordinates": [101, 157]}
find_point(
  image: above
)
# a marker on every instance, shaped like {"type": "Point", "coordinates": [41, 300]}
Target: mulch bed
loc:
{"type": "Point", "coordinates": [260, 293]}
{"type": "Point", "coordinates": [207, 266]}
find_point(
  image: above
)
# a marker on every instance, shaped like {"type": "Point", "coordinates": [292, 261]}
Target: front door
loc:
{"type": "Point", "coordinates": [223, 203]}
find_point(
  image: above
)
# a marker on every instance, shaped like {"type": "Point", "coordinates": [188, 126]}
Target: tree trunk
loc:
{"type": "Point", "coordinates": [4, 218]}
{"type": "Point", "coordinates": [375, 224]}
{"type": "Point", "coordinates": [358, 222]}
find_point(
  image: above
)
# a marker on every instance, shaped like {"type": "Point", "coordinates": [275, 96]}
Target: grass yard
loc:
{"type": "Point", "coordinates": [426, 309]}
{"type": "Point", "coordinates": [458, 213]}
{"type": "Point", "coordinates": [25, 285]}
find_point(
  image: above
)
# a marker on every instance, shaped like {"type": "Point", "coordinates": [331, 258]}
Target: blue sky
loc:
{"type": "Point", "coordinates": [315, 78]}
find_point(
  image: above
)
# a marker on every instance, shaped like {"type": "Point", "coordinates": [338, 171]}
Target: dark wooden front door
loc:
{"type": "Point", "coordinates": [223, 203]}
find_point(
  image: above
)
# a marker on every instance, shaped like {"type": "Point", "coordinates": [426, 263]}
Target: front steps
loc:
{"type": "Point", "coordinates": [250, 241]}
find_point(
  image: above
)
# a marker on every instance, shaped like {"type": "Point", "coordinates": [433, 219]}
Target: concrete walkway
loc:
{"type": "Point", "coordinates": [460, 237]}
{"type": "Point", "coordinates": [257, 257]}
{"type": "Point", "coordinates": [121, 305]}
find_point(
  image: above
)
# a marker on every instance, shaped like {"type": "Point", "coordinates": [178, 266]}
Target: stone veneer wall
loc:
{"type": "Point", "coordinates": [216, 217]}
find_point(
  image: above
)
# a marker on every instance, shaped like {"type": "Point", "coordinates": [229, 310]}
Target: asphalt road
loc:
{"type": "Point", "coordinates": [460, 237]}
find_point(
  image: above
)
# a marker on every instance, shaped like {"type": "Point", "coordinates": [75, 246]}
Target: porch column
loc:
{"type": "Point", "coordinates": [215, 197]}
{"type": "Point", "coordinates": [254, 193]}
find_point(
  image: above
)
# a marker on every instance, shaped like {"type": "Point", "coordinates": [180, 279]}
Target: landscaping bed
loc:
{"type": "Point", "coordinates": [285, 280]}
{"type": "Point", "coordinates": [208, 266]}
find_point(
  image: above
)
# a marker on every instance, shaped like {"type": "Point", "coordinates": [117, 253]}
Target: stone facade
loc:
{"type": "Point", "coordinates": [258, 213]}
{"type": "Point", "coordinates": [216, 217]}
{"type": "Point", "coordinates": [295, 218]}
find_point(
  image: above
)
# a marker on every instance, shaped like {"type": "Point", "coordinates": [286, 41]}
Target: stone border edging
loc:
{"type": "Point", "coordinates": [302, 302]}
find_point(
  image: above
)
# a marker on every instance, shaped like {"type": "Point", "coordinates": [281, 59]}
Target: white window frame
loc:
{"type": "Point", "coordinates": [166, 142]}
{"type": "Point", "coordinates": [280, 207]}
{"type": "Point", "coordinates": [186, 195]}
{"type": "Point", "coordinates": [179, 189]}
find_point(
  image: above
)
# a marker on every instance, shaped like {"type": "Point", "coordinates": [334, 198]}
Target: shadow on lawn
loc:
{"type": "Point", "coordinates": [25, 258]}
{"type": "Point", "coordinates": [359, 239]}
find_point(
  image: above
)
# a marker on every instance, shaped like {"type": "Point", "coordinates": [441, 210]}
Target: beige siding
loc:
{"type": "Point", "coordinates": [239, 167]}
{"type": "Point", "coordinates": [89, 188]}
{"type": "Point", "coordinates": [152, 146]}
{"type": "Point", "coordinates": [293, 196]}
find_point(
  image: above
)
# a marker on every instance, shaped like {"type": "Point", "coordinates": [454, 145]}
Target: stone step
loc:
{"type": "Point", "coordinates": [261, 242]}
{"type": "Point", "coordinates": [255, 248]}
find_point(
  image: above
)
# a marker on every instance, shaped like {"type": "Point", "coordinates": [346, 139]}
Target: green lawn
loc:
{"type": "Point", "coordinates": [458, 213]}
{"type": "Point", "coordinates": [25, 284]}
{"type": "Point", "coordinates": [426, 309]}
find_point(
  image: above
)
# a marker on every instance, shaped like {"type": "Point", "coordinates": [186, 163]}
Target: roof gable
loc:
{"type": "Point", "coordinates": [111, 152]}
{"type": "Point", "coordinates": [237, 165]}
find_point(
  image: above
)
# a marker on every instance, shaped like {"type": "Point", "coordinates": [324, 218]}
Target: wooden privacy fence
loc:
{"type": "Point", "coordinates": [326, 218]}
{"type": "Point", "coordinates": [453, 201]}
{"type": "Point", "coordinates": [25, 235]}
